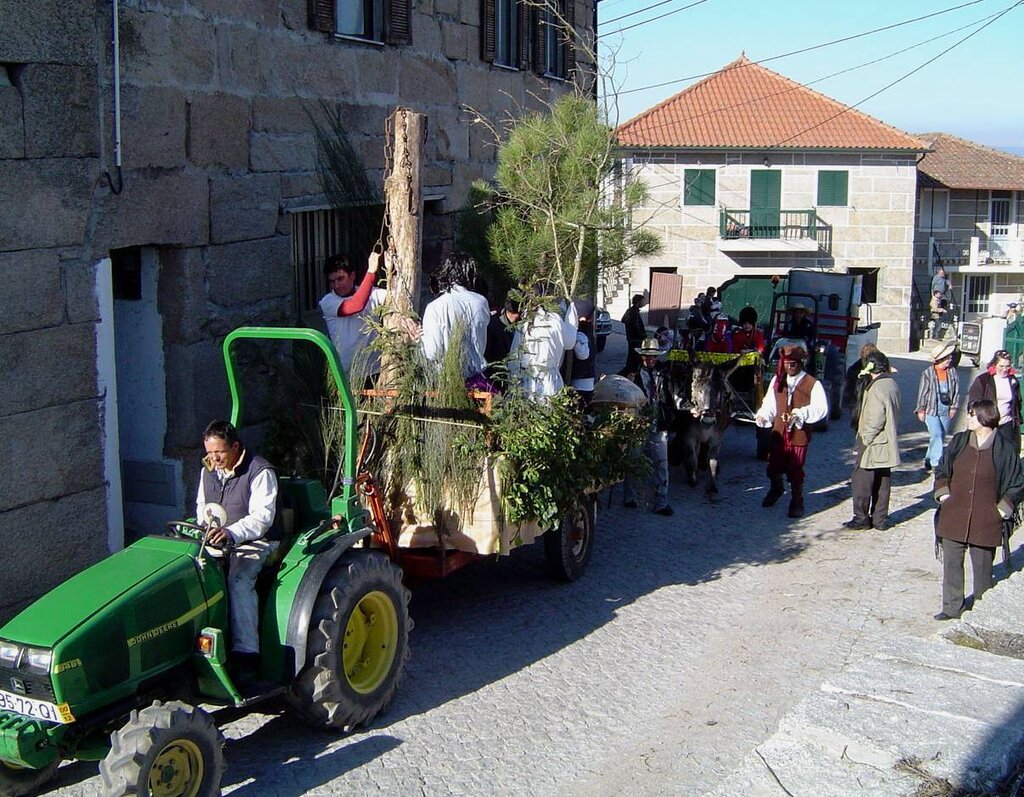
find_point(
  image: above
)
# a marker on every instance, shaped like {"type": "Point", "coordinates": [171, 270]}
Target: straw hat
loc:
{"type": "Point", "coordinates": [943, 350]}
{"type": "Point", "coordinates": [800, 306]}
{"type": "Point", "coordinates": [649, 347]}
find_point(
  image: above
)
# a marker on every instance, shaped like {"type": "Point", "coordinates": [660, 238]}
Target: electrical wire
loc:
{"type": "Point", "coordinates": [662, 16]}
{"type": "Point", "coordinates": [903, 77]}
{"type": "Point", "coordinates": [797, 87]}
{"type": "Point", "coordinates": [646, 8]}
{"type": "Point", "coordinates": [804, 49]}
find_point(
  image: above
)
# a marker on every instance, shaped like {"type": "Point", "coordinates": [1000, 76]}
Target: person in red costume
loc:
{"type": "Point", "coordinates": [720, 339]}
{"type": "Point", "coordinates": [748, 337]}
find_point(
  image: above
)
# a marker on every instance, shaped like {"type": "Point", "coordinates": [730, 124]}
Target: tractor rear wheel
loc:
{"type": "Point", "coordinates": [567, 548]}
{"type": "Point", "coordinates": [358, 644]}
{"type": "Point", "coordinates": [18, 781]}
{"type": "Point", "coordinates": [167, 750]}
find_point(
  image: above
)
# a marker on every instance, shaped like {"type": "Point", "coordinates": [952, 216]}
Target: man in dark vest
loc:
{"type": "Point", "coordinates": [794, 402]}
{"type": "Point", "coordinates": [245, 488]}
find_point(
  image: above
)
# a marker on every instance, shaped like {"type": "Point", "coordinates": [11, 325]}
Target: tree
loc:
{"type": "Point", "coordinates": [559, 214]}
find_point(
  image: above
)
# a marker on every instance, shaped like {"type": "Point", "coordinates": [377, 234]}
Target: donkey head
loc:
{"type": "Point", "coordinates": [709, 391]}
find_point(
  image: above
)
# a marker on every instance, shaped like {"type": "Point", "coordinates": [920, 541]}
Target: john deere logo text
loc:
{"type": "Point", "coordinates": [152, 633]}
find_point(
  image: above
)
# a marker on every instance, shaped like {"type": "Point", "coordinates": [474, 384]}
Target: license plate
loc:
{"type": "Point", "coordinates": [37, 709]}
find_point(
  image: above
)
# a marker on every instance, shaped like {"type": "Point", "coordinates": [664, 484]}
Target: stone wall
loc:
{"type": "Point", "coordinates": [874, 230]}
{"type": "Point", "coordinates": [218, 149]}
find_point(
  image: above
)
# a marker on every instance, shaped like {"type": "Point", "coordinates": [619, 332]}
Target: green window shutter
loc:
{"type": "Point", "coordinates": [833, 188]}
{"type": "Point", "coordinates": [699, 187]}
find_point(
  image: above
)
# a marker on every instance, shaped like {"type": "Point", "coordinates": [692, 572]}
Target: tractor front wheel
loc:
{"type": "Point", "coordinates": [18, 781]}
{"type": "Point", "coordinates": [166, 750]}
{"type": "Point", "coordinates": [358, 644]}
{"type": "Point", "coordinates": [567, 548]}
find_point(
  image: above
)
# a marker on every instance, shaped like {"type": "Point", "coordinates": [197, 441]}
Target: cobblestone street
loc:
{"type": "Point", "coordinates": [679, 651]}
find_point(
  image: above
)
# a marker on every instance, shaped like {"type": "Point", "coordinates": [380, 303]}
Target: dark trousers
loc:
{"type": "Point", "coordinates": [1011, 433]}
{"type": "Point", "coordinates": [786, 461]}
{"type": "Point", "coordinates": [953, 573]}
{"type": "Point", "coordinates": [871, 488]}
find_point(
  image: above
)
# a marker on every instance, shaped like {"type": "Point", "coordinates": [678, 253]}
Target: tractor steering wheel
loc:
{"type": "Point", "coordinates": [185, 530]}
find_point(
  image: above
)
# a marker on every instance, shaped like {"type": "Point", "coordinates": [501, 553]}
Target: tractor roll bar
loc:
{"type": "Point", "coordinates": [347, 503]}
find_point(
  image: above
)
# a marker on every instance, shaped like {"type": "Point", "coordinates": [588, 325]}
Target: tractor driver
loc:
{"type": "Point", "coordinates": [245, 486]}
{"type": "Point", "coordinates": [800, 324]}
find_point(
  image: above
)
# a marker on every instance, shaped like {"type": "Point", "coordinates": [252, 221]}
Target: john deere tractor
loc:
{"type": "Point", "coordinates": [112, 665]}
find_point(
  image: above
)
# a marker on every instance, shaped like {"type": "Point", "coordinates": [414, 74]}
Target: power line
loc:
{"type": "Point", "coordinates": [805, 49]}
{"type": "Point", "coordinates": [662, 16]}
{"type": "Point", "coordinates": [903, 77]}
{"type": "Point", "coordinates": [713, 111]}
{"type": "Point", "coordinates": [642, 10]}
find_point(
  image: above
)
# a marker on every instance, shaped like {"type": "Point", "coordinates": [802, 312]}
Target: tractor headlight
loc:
{"type": "Point", "coordinates": [37, 660]}
{"type": "Point", "coordinates": [9, 654]}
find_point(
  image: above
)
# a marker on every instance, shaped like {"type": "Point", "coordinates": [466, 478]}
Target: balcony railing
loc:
{"type": "Point", "coordinates": [787, 225]}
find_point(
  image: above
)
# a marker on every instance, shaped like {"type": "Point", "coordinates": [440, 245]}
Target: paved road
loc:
{"type": "Point", "coordinates": [678, 652]}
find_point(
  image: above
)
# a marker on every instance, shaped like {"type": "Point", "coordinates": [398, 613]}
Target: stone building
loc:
{"type": "Point", "coordinates": [970, 220]}
{"type": "Point", "coordinates": [752, 175]}
{"type": "Point", "coordinates": [158, 187]}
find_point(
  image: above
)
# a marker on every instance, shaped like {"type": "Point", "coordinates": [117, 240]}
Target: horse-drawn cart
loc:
{"type": "Point", "coordinates": [745, 376]}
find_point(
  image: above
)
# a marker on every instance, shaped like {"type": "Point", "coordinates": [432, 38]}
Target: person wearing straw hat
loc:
{"type": "Point", "coordinates": [793, 403]}
{"type": "Point", "coordinates": [938, 399]}
{"type": "Point", "coordinates": [800, 324]}
{"type": "Point", "coordinates": [650, 378]}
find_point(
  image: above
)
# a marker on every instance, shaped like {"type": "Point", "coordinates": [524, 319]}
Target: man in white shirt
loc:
{"type": "Point", "coordinates": [793, 403]}
{"type": "Point", "coordinates": [237, 499]}
{"type": "Point", "coordinates": [457, 310]}
{"type": "Point", "coordinates": [346, 310]}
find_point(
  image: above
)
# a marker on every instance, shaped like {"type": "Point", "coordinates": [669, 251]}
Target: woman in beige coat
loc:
{"type": "Point", "coordinates": [877, 446]}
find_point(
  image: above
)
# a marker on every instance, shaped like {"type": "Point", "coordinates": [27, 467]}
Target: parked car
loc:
{"type": "Point", "coordinates": [602, 328]}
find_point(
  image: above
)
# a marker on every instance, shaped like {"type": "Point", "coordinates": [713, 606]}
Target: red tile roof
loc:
{"type": "Point", "coordinates": [958, 163]}
{"type": "Point", "coordinates": [746, 106]}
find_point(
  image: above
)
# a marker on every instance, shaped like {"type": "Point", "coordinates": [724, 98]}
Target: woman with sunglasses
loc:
{"type": "Point", "coordinates": [1000, 385]}
{"type": "Point", "coordinates": [978, 483]}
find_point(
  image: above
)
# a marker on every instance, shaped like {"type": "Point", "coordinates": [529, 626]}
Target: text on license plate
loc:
{"type": "Point", "coordinates": [37, 709]}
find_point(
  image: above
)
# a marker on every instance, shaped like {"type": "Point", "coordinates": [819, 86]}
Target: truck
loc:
{"type": "Point", "coordinates": [116, 664]}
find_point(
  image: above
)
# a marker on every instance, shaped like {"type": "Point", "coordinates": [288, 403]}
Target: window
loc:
{"type": "Point", "coordinates": [507, 27]}
{"type": "Point", "coordinates": [933, 211]}
{"type": "Point", "coordinates": [699, 187]}
{"type": "Point", "coordinates": [374, 20]}
{"type": "Point", "coordinates": [976, 294]}
{"type": "Point", "coordinates": [317, 234]}
{"type": "Point", "coordinates": [833, 188]}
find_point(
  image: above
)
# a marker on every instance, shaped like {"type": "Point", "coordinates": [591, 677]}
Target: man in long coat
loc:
{"type": "Point", "coordinates": [877, 448]}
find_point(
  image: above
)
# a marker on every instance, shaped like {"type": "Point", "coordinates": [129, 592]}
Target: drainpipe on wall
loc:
{"type": "Point", "coordinates": [116, 42]}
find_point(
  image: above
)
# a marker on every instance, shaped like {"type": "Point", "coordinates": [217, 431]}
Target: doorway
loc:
{"type": "Point", "coordinates": [765, 203]}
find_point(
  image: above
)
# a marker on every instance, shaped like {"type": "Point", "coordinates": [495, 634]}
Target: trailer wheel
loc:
{"type": "Point", "coordinates": [358, 644]}
{"type": "Point", "coordinates": [17, 781]}
{"type": "Point", "coordinates": [567, 548]}
{"type": "Point", "coordinates": [166, 750]}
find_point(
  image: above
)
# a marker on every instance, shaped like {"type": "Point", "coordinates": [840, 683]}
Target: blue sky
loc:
{"type": "Point", "coordinates": [975, 91]}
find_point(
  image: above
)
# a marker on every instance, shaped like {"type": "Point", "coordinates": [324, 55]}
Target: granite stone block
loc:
{"type": "Point", "coordinates": [32, 290]}
{"type": "Point", "coordinates": [39, 383]}
{"type": "Point", "coordinates": [218, 130]}
{"type": "Point", "coordinates": [243, 207]}
{"type": "Point", "coordinates": [60, 103]}
{"type": "Point", "coordinates": [45, 202]}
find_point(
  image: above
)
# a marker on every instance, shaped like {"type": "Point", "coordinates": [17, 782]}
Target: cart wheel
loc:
{"type": "Point", "coordinates": [567, 548]}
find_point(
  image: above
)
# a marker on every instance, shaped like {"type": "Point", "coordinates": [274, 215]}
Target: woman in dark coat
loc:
{"type": "Point", "coordinates": [978, 483]}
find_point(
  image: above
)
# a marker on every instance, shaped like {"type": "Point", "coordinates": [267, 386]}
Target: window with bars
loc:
{"type": "Point", "coordinates": [318, 234]}
{"type": "Point", "coordinates": [699, 187]}
{"type": "Point", "coordinates": [976, 294]}
{"type": "Point", "coordinates": [833, 188]}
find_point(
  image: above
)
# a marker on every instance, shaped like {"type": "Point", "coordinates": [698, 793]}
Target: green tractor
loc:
{"type": "Point", "coordinates": [112, 665]}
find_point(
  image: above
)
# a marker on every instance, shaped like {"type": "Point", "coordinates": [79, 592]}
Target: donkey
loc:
{"type": "Point", "coordinates": [702, 398]}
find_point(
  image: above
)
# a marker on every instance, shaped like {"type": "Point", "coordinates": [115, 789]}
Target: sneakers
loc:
{"type": "Point", "coordinates": [857, 525]}
{"type": "Point", "coordinates": [665, 511]}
